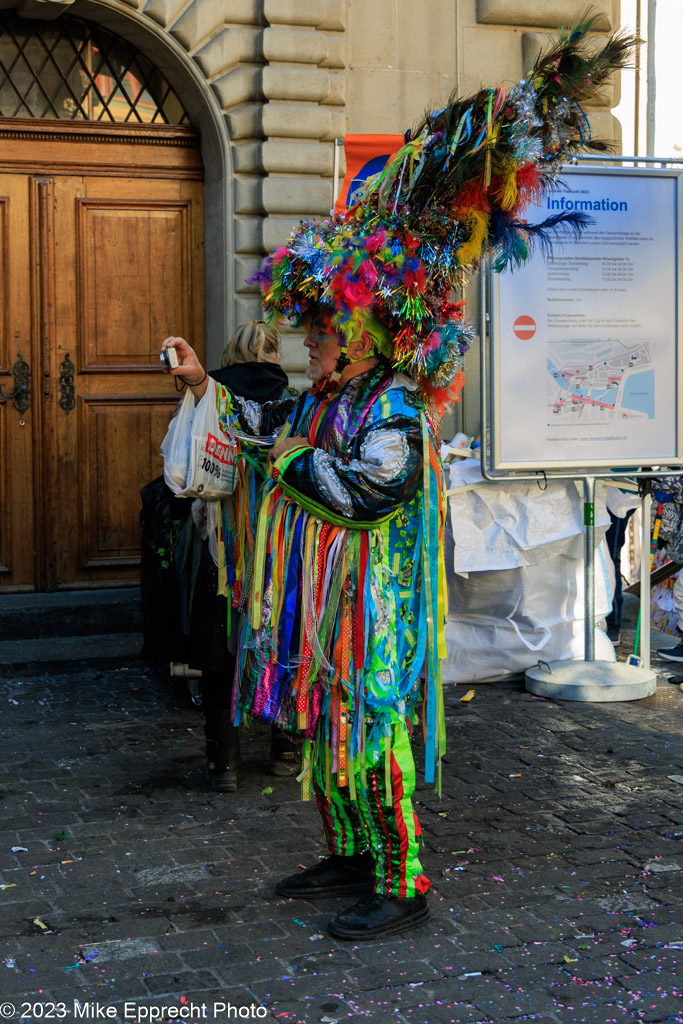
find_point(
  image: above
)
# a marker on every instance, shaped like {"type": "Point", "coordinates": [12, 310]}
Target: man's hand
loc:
{"type": "Point", "coordinates": [285, 446]}
{"type": "Point", "coordinates": [189, 367]}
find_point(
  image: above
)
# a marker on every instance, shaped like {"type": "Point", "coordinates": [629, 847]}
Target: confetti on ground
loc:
{"type": "Point", "coordinates": [469, 695]}
{"type": "Point", "coordinates": [267, 791]}
{"type": "Point", "coordinates": [627, 859]}
{"type": "Point", "coordinates": [19, 849]}
{"type": "Point", "coordinates": [8, 885]}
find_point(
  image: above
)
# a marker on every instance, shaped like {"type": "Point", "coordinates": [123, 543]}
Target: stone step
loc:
{"type": "Point", "coordinates": [68, 653]}
{"type": "Point", "coordinates": [72, 613]}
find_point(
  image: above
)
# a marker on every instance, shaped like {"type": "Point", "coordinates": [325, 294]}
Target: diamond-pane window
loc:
{"type": "Point", "coordinates": [75, 70]}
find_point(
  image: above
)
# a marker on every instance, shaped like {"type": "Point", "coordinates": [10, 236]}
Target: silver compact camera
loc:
{"type": "Point", "coordinates": [169, 358]}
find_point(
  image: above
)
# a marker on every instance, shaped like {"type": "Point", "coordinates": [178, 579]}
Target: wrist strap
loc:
{"type": "Point", "coordinates": [194, 384]}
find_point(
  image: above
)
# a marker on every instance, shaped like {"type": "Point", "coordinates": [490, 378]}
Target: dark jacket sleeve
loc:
{"type": "Point", "coordinates": [262, 422]}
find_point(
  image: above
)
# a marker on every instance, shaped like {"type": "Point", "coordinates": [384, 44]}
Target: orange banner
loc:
{"type": "Point", "coordinates": [365, 155]}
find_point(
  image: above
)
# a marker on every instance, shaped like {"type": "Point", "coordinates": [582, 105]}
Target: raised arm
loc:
{"type": "Point", "coordinates": [253, 419]}
{"type": "Point", "coordinates": [260, 422]}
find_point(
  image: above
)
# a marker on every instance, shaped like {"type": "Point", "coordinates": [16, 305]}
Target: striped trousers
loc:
{"type": "Point", "coordinates": [381, 822]}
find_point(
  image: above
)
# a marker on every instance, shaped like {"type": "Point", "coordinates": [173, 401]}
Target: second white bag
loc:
{"type": "Point", "coordinates": [211, 470]}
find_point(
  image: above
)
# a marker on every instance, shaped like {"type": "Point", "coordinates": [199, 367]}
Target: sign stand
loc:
{"type": "Point", "coordinates": [621, 200]}
{"type": "Point", "coordinates": [592, 680]}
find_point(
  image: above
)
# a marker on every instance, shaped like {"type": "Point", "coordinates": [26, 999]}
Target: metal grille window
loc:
{"type": "Point", "coordinates": [75, 70]}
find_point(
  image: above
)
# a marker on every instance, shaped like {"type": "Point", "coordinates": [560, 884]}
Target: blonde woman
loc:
{"type": "Point", "coordinates": [253, 342]}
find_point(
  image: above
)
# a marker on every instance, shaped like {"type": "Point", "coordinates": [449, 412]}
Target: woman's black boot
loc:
{"type": "Point", "coordinates": [222, 737]}
{"type": "Point", "coordinates": [222, 750]}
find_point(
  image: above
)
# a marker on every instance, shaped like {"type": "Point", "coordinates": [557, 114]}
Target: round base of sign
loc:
{"type": "Point", "coordinates": [590, 681]}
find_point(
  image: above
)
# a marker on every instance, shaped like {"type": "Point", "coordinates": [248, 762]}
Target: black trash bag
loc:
{"type": "Point", "coordinates": [162, 519]}
{"type": "Point", "coordinates": [203, 613]}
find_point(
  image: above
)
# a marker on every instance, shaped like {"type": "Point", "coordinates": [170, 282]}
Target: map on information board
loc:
{"type": "Point", "coordinates": [584, 359]}
{"type": "Point", "coordinates": [600, 382]}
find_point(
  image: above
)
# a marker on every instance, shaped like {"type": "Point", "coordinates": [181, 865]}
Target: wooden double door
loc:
{"type": "Point", "coordinates": [101, 237]}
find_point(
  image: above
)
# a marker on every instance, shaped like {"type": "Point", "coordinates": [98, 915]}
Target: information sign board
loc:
{"type": "Point", "coordinates": [584, 340]}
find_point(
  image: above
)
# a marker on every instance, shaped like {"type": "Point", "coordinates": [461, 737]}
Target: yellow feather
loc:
{"type": "Point", "coordinates": [507, 194]}
{"type": "Point", "coordinates": [471, 249]}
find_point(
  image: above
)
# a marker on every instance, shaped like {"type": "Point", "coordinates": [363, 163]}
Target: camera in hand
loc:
{"type": "Point", "coordinates": [169, 358]}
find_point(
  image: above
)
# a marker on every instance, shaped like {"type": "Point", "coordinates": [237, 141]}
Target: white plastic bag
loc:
{"type": "Point", "coordinates": [210, 470]}
{"type": "Point", "coordinates": [175, 447]}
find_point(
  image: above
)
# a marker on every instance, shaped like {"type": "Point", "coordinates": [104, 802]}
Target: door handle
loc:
{"type": "Point", "coordinates": [21, 395]}
{"type": "Point", "coordinates": [67, 397]}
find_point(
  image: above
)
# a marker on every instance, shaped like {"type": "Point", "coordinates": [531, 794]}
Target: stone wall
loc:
{"type": "Point", "coordinates": [291, 75]}
{"type": "Point", "coordinates": [278, 71]}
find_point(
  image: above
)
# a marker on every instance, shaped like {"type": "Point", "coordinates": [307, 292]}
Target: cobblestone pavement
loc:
{"type": "Point", "coordinates": [555, 854]}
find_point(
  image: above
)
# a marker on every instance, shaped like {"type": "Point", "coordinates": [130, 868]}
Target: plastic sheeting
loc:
{"type": "Point", "coordinates": [516, 591]}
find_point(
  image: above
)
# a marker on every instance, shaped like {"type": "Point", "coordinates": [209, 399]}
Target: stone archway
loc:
{"type": "Point", "coordinates": [198, 99]}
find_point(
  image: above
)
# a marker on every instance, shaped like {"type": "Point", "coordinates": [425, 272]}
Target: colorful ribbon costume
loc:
{"type": "Point", "coordinates": [347, 603]}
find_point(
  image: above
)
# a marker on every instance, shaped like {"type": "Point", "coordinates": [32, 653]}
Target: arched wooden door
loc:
{"type": "Point", "coordinates": [101, 230]}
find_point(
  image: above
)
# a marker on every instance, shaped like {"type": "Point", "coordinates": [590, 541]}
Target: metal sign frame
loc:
{"type": "Point", "coordinates": [666, 445]}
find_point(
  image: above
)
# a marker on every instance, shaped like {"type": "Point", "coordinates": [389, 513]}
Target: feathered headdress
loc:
{"type": "Point", "coordinates": [456, 191]}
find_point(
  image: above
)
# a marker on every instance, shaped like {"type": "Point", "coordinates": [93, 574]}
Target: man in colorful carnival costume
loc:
{"type": "Point", "coordinates": [346, 596]}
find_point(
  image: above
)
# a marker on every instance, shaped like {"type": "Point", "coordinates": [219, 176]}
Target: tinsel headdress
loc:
{"type": "Point", "coordinates": [455, 192]}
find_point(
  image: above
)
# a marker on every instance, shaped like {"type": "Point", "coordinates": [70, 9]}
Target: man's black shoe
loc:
{"type": "Point", "coordinates": [672, 653]}
{"type": "Point", "coordinates": [378, 915]}
{"type": "Point", "coordinates": [285, 753]}
{"type": "Point", "coordinates": [333, 876]}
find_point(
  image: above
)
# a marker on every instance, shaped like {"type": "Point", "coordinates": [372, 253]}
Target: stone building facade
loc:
{"type": "Point", "coordinates": [115, 233]}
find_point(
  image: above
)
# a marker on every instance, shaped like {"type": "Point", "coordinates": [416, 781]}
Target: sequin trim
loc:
{"type": "Point", "coordinates": [330, 484]}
